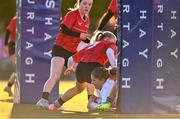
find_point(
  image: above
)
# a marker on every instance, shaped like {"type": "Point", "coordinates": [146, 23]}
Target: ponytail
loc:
{"type": "Point", "coordinates": [76, 5]}
{"type": "Point", "coordinates": [105, 34]}
{"type": "Point", "coordinates": [99, 36]}
{"type": "Point", "coordinates": [102, 35]}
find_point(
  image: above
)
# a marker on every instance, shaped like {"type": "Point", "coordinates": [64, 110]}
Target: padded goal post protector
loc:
{"type": "Point", "coordinates": [38, 24]}
{"type": "Point", "coordinates": [150, 78]}
{"type": "Point", "coordinates": [166, 62]}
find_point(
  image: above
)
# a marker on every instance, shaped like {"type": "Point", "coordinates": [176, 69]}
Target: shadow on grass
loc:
{"type": "Point", "coordinates": [32, 111]}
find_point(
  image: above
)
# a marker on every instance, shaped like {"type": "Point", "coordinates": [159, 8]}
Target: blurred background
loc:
{"type": "Point", "coordinates": [7, 11]}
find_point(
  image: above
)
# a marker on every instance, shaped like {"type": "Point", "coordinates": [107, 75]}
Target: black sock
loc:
{"type": "Point", "coordinates": [45, 95]}
{"type": "Point", "coordinates": [10, 85]}
{"type": "Point", "coordinates": [61, 102]}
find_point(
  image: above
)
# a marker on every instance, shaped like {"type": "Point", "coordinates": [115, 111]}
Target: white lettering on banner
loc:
{"type": "Point", "coordinates": [144, 53]}
{"type": "Point", "coordinates": [126, 8]}
{"type": "Point", "coordinates": [49, 53]}
{"type": "Point", "coordinates": [29, 45]}
{"type": "Point", "coordinates": [30, 80]}
{"type": "Point", "coordinates": [160, 9]}
{"type": "Point", "coordinates": [159, 63]}
{"type": "Point", "coordinates": [159, 85]}
{"type": "Point", "coordinates": [160, 44]}
{"type": "Point", "coordinates": [29, 61]}
{"type": "Point", "coordinates": [173, 15]}
{"type": "Point", "coordinates": [125, 44]}
{"type": "Point", "coordinates": [30, 15]}
{"type": "Point", "coordinates": [30, 30]}
{"type": "Point", "coordinates": [125, 83]}
{"type": "Point", "coordinates": [143, 16]}
{"type": "Point", "coordinates": [161, 26]}
{"type": "Point", "coordinates": [142, 33]}
{"type": "Point", "coordinates": [173, 33]}
{"type": "Point", "coordinates": [31, 1]}
{"type": "Point", "coordinates": [48, 20]}
{"type": "Point", "coordinates": [125, 62]}
{"type": "Point", "coordinates": [47, 36]}
{"type": "Point", "coordinates": [174, 53]}
{"type": "Point", "coordinates": [50, 4]}
{"type": "Point", "coordinates": [127, 26]}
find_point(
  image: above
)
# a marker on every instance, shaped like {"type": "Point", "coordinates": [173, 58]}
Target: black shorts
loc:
{"type": "Point", "coordinates": [58, 51]}
{"type": "Point", "coordinates": [83, 71]}
{"type": "Point", "coordinates": [11, 47]}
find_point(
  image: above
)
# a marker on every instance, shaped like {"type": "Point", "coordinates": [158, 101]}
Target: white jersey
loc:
{"type": "Point", "coordinates": [102, 94]}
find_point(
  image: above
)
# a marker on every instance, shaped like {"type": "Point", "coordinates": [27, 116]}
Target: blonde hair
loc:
{"type": "Point", "coordinates": [108, 34]}
{"type": "Point", "coordinates": [76, 5]}
{"type": "Point", "coordinates": [104, 34]}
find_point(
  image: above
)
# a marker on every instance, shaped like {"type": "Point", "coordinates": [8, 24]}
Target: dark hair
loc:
{"type": "Point", "coordinates": [102, 73]}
